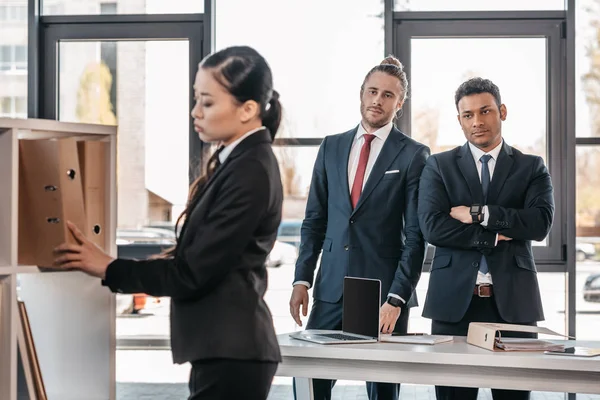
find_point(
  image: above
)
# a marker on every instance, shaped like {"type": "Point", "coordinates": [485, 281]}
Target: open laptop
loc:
{"type": "Point", "coordinates": [360, 315]}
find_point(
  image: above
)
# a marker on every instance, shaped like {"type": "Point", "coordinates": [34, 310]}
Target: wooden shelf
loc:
{"type": "Point", "coordinates": [72, 316]}
{"type": "Point", "coordinates": [27, 269]}
{"type": "Point", "coordinates": [32, 269]}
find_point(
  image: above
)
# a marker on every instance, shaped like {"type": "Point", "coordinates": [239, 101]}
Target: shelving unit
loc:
{"type": "Point", "coordinates": [72, 316]}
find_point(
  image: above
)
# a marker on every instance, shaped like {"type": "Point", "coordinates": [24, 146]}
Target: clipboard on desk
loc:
{"type": "Point", "coordinates": [415, 338]}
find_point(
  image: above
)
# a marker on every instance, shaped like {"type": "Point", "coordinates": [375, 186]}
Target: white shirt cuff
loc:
{"type": "Point", "coordinates": [486, 216]}
{"type": "Point", "coordinates": [307, 284]}
{"type": "Point", "coordinates": [397, 297]}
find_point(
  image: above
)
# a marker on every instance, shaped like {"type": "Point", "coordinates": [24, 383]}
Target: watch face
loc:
{"type": "Point", "coordinates": [475, 209]}
{"type": "Point", "coordinates": [394, 301]}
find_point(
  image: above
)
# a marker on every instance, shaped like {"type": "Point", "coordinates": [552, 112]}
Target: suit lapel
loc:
{"type": "Point", "coordinates": [259, 137]}
{"type": "Point", "coordinates": [501, 171]}
{"type": "Point", "coordinates": [467, 167]}
{"type": "Point", "coordinates": [391, 148]}
{"type": "Point", "coordinates": [343, 155]}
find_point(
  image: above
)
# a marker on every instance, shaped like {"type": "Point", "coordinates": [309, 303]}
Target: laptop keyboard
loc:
{"type": "Point", "coordinates": [341, 336]}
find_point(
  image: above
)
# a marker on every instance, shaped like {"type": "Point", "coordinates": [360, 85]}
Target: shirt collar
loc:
{"type": "Point", "coordinates": [381, 133]}
{"type": "Point", "coordinates": [477, 152]}
{"type": "Point", "coordinates": [229, 148]}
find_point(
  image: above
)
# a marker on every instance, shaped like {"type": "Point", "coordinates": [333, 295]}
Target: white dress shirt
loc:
{"type": "Point", "coordinates": [376, 145]}
{"type": "Point", "coordinates": [229, 148]}
{"type": "Point", "coordinates": [477, 153]}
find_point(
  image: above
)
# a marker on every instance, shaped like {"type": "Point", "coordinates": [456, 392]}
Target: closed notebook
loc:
{"type": "Point", "coordinates": [416, 339]}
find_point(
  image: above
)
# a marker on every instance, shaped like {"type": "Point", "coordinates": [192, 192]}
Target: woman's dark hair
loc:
{"type": "Point", "coordinates": [391, 66]}
{"type": "Point", "coordinates": [476, 86]}
{"type": "Point", "coordinates": [246, 76]}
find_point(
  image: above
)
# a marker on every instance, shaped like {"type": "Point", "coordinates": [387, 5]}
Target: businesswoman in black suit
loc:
{"type": "Point", "coordinates": [215, 275]}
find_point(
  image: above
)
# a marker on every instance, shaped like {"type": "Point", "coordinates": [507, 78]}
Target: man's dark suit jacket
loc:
{"type": "Point", "coordinates": [378, 239]}
{"type": "Point", "coordinates": [520, 205]}
{"type": "Point", "coordinates": [217, 279]}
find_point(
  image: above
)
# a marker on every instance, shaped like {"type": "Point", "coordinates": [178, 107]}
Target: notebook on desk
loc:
{"type": "Point", "coordinates": [416, 338]}
{"type": "Point", "coordinates": [360, 315]}
{"type": "Point", "coordinates": [575, 352]}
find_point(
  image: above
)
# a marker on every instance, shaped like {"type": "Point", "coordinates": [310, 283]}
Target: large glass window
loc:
{"type": "Point", "coordinates": [318, 76]}
{"type": "Point", "coordinates": [587, 247]}
{"type": "Point", "coordinates": [478, 5]}
{"type": "Point", "coordinates": [587, 164]}
{"type": "Point", "coordinates": [94, 7]}
{"type": "Point", "coordinates": [520, 57]}
{"type": "Point", "coordinates": [587, 65]}
{"type": "Point", "coordinates": [130, 84]}
{"type": "Point", "coordinates": [319, 80]}
{"type": "Point", "coordinates": [552, 287]}
{"type": "Point", "coordinates": [296, 165]}
{"type": "Point", "coordinates": [433, 113]}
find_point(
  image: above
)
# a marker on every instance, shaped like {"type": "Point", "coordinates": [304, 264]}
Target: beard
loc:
{"type": "Point", "coordinates": [375, 121]}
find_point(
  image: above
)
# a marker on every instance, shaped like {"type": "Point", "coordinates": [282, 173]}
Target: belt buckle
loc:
{"type": "Point", "coordinates": [479, 291]}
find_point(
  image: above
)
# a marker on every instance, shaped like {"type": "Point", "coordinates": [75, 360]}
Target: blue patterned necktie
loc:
{"type": "Point", "coordinates": [485, 185]}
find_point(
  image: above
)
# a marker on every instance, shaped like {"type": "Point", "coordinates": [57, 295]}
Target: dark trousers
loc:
{"type": "Point", "coordinates": [223, 379]}
{"type": "Point", "coordinates": [325, 315]}
{"type": "Point", "coordinates": [481, 309]}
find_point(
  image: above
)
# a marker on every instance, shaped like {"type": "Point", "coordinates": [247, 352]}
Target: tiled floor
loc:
{"type": "Point", "coordinates": [179, 391]}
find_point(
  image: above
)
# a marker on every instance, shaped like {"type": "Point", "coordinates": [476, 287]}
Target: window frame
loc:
{"type": "Point", "coordinates": [46, 31]}
{"type": "Point", "coordinates": [55, 29]}
{"type": "Point", "coordinates": [549, 25]}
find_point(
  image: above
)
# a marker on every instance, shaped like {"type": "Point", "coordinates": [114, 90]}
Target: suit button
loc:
{"type": "Point", "coordinates": [485, 243]}
{"type": "Point", "coordinates": [475, 264]}
{"type": "Point", "coordinates": [351, 221]}
{"type": "Point", "coordinates": [346, 247]}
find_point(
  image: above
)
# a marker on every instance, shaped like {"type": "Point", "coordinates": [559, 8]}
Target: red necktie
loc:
{"type": "Point", "coordinates": [360, 170]}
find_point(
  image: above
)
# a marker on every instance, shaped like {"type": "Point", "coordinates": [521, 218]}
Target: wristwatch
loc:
{"type": "Point", "coordinates": [393, 301]}
{"type": "Point", "coordinates": [476, 213]}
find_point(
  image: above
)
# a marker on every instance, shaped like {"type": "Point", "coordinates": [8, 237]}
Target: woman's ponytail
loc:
{"type": "Point", "coordinates": [272, 117]}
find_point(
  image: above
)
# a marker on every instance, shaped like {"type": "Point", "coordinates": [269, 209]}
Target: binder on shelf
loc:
{"type": "Point", "coordinates": [50, 193]}
{"type": "Point", "coordinates": [92, 161]}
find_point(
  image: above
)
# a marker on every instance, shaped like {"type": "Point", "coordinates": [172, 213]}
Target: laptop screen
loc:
{"type": "Point", "coordinates": [361, 306]}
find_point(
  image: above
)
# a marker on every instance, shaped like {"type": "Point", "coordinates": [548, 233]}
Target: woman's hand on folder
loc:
{"type": "Point", "coordinates": [85, 255]}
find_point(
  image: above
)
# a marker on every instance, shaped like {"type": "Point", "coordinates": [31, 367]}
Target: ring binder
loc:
{"type": "Point", "coordinates": [48, 197]}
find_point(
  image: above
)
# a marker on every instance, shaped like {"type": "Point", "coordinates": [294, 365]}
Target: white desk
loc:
{"type": "Point", "coordinates": [452, 364]}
